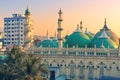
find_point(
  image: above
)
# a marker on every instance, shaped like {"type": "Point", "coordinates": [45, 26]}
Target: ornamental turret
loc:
{"type": "Point", "coordinates": [81, 27]}
{"type": "Point", "coordinates": [27, 12]}
{"type": "Point", "coordinates": [28, 30]}
{"type": "Point", "coordinates": [59, 29]}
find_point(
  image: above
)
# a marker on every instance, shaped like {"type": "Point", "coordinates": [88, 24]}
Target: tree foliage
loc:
{"type": "Point", "coordinates": [21, 66]}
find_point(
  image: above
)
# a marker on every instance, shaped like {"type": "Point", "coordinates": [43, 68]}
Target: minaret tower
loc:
{"type": "Point", "coordinates": [59, 29]}
{"type": "Point", "coordinates": [28, 30]}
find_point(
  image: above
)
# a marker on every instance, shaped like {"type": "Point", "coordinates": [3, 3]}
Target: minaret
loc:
{"type": "Point", "coordinates": [47, 35]}
{"type": "Point", "coordinates": [77, 29]}
{"type": "Point", "coordinates": [105, 22]}
{"type": "Point", "coordinates": [28, 29]}
{"type": "Point", "coordinates": [59, 29]}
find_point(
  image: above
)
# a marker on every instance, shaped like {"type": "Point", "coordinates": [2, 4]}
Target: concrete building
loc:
{"type": "Point", "coordinates": [17, 29]}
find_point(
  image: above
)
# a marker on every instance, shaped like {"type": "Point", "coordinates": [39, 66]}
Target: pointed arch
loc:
{"type": "Point", "coordinates": [72, 70]}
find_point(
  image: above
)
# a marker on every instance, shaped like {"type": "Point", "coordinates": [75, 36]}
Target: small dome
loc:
{"type": "Point", "coordinates": [56, 42]}
{"type": "Point", "coordinates": [77, 38]}
{"type": "Point", "coordinates": [89, 34]}
{"type": "Point", "coordinates": [27, 12]}
{"type": "Point", "coordinates": [47, 43]}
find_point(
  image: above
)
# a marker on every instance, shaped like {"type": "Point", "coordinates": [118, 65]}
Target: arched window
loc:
{"type": "Point", "coordinates": [90, 70]}
{"type": "Point", "coordinates": [54, 63]}
{"type": "Point", "coordinates": [72, 70]}
{"type": "Point", "coordinates": [63, 68]}
{"type": "Point", "coordinates": [101, 67]}
{"type": "Point", "coordinates": [81, 70]}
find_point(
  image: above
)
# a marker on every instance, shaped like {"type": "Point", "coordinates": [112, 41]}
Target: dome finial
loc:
{"type": "Point", "coordinates": [105, 25]}
{"type": "Point", "coordinates": [55, 34]}
{"type": "Point", "coordinates": [60, 11]}
{"type": "Point", "coordinates": [86, 31]}
{"type": "Point", "coordinates": [47, 35]}
{"type": "Point", "coordinates": [105, 20]}
{"type": "Point", "coordinates": [77, 29]}
{"type": "Point", "coordinates": [81, 25]}
{"type": "Point", "coordinates": [27, 12]}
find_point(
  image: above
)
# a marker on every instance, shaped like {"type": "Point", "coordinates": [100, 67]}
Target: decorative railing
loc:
{"type": "Point", "coordinates": [76, 51]}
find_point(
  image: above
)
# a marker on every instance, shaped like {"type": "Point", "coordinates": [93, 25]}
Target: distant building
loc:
{"type": "Point", "coordinates": [18, 30]}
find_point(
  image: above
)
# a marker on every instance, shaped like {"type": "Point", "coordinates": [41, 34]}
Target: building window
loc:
{"type": "Point", "coordinates": [90, 70]}
{"type": "Point", "coordinates": [81, 70]}
{"type": "Point", "coordinates": [72, 70]}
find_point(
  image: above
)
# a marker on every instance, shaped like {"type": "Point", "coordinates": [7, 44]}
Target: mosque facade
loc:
{"type": "Point", "coordinates": [80, 55]}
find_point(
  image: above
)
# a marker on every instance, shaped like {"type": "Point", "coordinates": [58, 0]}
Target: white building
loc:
{"type": "Point", "coordinates": [16, 29]}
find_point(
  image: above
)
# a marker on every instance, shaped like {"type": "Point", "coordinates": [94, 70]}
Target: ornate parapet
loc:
{"type": "Point", "coordinates": [77, 51]}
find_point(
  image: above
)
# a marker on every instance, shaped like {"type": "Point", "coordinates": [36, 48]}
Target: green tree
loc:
{"type": "Point", "coordinates": [21, 66]}
{"type": "Point", "coordinates": [32, 68]}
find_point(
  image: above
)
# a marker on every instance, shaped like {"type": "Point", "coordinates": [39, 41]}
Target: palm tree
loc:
{"type": "Point", "coordinates": [32, 68]}
{"type": "Point", "coordinates": [9, 68]}
{"type": "Point", "coordinates": [21, 66]}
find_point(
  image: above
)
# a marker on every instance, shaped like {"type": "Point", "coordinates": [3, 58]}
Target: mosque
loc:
{"type": "Point", "coordinates": [80, 55]}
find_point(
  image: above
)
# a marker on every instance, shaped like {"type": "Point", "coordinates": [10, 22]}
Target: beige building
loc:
{"type": "Point", "coordinates": [82, 55]}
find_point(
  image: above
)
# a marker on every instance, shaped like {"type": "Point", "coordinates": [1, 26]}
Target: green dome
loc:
{"type": "Point", "coordinates": [111, 34]}
{"type": "Point", "coordinates": [77, 38]}
{"type": "Point", "coordinates": [47, 43]}
{"type": "Point", "coordinates": [55, 42]}
{"type": "Point", "coordinates": [90, 35]}
{"type": "Point", "coordinates": [63, 44]}
{"type": "Point", "coordinates": [66, 36]}
{"type": "Point", "coordinates": [106, 42]}
{"type": "Point", "coordinates": [103, 40]}
{"type": "Point", "coordinates": [27, 12]}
